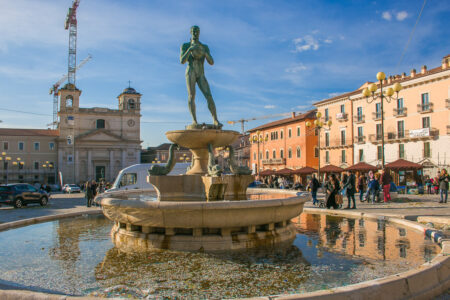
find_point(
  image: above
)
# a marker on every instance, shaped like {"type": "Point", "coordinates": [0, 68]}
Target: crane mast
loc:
{"type": "Point", "coordinates": [71, 25]}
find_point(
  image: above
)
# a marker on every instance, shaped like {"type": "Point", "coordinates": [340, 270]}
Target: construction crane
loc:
{"type": "Point", "coordinates": [54, 90]}
{"type": "Point", "coordinates": [71, 25]}
{"type": "Point", "coordinates": [242, 121]}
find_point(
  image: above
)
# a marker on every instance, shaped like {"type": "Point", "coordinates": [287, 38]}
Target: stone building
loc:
{"type": "Point", "coordinates": [97, 143]}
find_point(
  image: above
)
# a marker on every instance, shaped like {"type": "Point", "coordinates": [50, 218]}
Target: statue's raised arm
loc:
{"type": "Point", "coordinates": [195, 53]}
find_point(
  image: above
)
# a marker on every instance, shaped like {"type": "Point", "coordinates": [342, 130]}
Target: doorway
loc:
{"type": "Point", "coordinates": [100, 173]}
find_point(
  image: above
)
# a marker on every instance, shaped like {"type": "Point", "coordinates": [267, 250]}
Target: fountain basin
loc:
{"type": "Point", "coordinates": [198, 225]}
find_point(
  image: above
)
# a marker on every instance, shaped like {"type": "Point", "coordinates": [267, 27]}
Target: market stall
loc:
{"type": "Point", "coordinates": [407, 176]}
{"type": "Point", "coordinates": [303, 175]}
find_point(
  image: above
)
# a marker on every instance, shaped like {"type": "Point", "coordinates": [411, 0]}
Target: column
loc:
{"type": "Point", "coordinates": [124, 152]}
{"type": "Point", "coordinates": [138, 156]}
{"type": "Point", "coordinates": [76, 166]}
{"type": "Point", "coordinates": [89, 165]}
{"type": "Point", "coordinates": [111, 165]}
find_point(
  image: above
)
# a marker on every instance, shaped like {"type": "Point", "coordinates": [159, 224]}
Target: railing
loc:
{"type": "Point", "coordinates": [400, 112]}
{"type": "Point", "coordinates": [376, 115]}
{"type": "Point", "coordinates": [26, 172]}
{"type": "Point", "coordinates": [425, 108]}
{"type": "Point", "coordinates": [359, 118]}
{"type": "Point", "coordinates": [360, 139]}
{"type": "Point", "coordinates": [374, 138]}
{"type": "Point", "coordinates": [413, 134]}
{"type": "Point", "coordinates": [273, 161]}
{"type": "Point", "coordinates": [447, 103]}
{"type": "Point", "coordinates": [336, 143]}
{"type": "Point", "coordinates": [341, 116]}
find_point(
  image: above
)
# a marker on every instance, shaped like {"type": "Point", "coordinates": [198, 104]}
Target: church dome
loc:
{"type": "Point", "coordinates": [129, 90]}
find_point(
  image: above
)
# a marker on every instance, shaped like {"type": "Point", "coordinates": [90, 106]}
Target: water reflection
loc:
{"type": "Point", "coordinates": [375, 239]}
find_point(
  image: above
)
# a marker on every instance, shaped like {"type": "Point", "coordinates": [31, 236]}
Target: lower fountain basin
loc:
{"type": "Point", "coordinates": [210, 226]}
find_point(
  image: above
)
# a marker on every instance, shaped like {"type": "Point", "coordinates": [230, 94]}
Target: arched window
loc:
{"type": "Point", "coordinates": [100, 123]}
{"type": "Point", "coordinates": [69, 101]}
{"type": "Point", "coordinates": [289, 153]}
{"type": "Point", "coordinates": [131, 104]}
{"type": "Point", "coordinates": [281, 153]}
{"type": "Point", "coordinates": [267, 154]}
{"type": "Point", "coordinates": [298, 152]}
{"type": "Point", "coordinates": [274, 154]}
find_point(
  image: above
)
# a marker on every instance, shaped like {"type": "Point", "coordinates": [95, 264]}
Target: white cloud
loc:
{"type": "Point", "coordinates": [295, 68]}
{"type": "Point", "coordinates": [269, 106]}
{"type": "Point", "coordinates": [308, 42]}
{"type": "Point", "coordinates": [328, 41]}
{"type": "Point", "coordinates": [386, 15]}
{"type": "Point", "coordinates": [331, 95]}
{"type": "Point", "coordinates": [401, 15]}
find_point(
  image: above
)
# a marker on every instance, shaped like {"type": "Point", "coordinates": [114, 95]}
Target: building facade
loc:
{"type": "Point", "coordinates": [286, 143]}
{"type": "Point", "coordinates": [96, 143]}
{"type": "Point", "coordinates": [416, 125]}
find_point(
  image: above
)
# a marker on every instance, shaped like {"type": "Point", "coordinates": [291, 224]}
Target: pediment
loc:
{"type": "Point", "coordinates": [99, 136]}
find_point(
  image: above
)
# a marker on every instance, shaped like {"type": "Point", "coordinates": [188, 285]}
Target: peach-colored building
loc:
{"type": "Point", "coordinates": [416, 125]}
{"type": "Point", "coordinates": [286, 143]}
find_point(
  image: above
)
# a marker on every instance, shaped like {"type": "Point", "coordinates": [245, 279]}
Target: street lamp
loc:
{"type": "Point", "coordinates": [370, 91]}
{"type": "Point", "coordinates": [258, 139]}
{"type": "Point", "coordinates": [47, 166]}
{"type": "Point", "coordinates": [6, 159]}
{"type": "Point", "coordinates": [318, 125]}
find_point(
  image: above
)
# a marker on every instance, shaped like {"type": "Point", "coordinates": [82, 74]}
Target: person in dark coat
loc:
{"type": "Point", "coordinates": [314, 188]}
{"type": "Point", "coordinates": [444, 178]}
{"type": "Point", "coordinates": [386, 184]}
{"type": "Point", "coordinates": [332, 188]}
{"type": "Point", "coordinates": [89, 194]}
{"type": "Point", "coordinates": [349, 186]}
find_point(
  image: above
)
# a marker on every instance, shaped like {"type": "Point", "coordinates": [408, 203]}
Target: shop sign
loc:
{"type": "Point", "coordinates": [414, 133]}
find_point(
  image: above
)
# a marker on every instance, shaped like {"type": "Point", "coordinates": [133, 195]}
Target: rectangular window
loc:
{"type": "Point", "coordinates": [316, 151]}
{"type": "Point", "coordinates": [327, 139]}
{"type": "Point", "coordinates": [426, 122]}
{"type": "Point", "coordinates": [298, 131]}
{"type": "Point", "coordinates": [426, 150]}
{"type": "Point", "coordinates": [360, 133]}
{"type": "Point", "coordinates": [69, 158]}
{"type": "Point", "coordinates": [401, 129]}
{"type": "Point", "coordinates": [425, 100]}
{"type": "Point", "coordinates": [342, 108]}
{"type": "Point", "coordinates": [400, 103]}
{"type": "Point", "coordinates": [342, 137]}
{"type": "Point", "coordinates": [361, 155]}
{"type": "Point", "coordinates": [281, 134]}
{"type": "Point", "coordinates": [51, 146]}
{"type": "Point", "coordinates": [5, 145]}
{"type": "Point", "coordinates": [378, 111]}
{"type": "Point", "coordinates": [343, 156]}
{"type": "Point", "coordinates": [289, 133]}
{"type": "Point", "coordinates": [401, 151]}
{"type": "Point", "coordinates": [379, 152]}
{"type": "Point", "coordinates": [36, 146]}
{"type": "Point", "coordinates": [326, 115]}
{"type": "Point", "coordinates": [327, 157]}
{"type": "Point", "coordinates": [21, 146]}
{"type": "Point", "coordinates": [379, 131]}
{"type": "Point", "coordinates": [267, 154]}
{"type": "Point", "coordinates": [36, 165]}
{"type": "Point", "coordinates": [359, 113]}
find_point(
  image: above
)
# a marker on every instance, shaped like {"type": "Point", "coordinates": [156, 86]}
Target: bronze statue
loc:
{"type": "Point", "coordinates": [194, 53]}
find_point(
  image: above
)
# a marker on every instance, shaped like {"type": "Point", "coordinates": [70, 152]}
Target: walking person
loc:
{"type": "Point", "coordinates": [386, 183]}
{"type": "Point", "coordinates": [314, 187]}
{"type": "Point", "coordinates": [443, 185]}
{"type": "Point", "coordinates": [373, 187]}
{"type": "Point", "coordinates": [349, 185]}
{"type": "Point", "coordinates": [332, 188]}
{"type": "Point", "coordinates": [89, 194]}
{"type": "Point", "coordinates": [361, 185]}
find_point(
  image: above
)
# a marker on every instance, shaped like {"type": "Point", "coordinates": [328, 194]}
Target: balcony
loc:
{"type": "Point", "coordinates": [359, 119]}
{"type": "Point", "coordinates": [447, 103]}
{"type": "Point", "coordinates": [336, 143]}
{"type": "Point", "coordinates": [376, 116]}
{"type": "Point", "coordinates": [400, 112]}
{"type": "Point", "coordinates": [273, 161]}
{"type": "Point", "coordinates": [342, 116]}
{"type": "Point", "coordinates": [360, 139]}
{"type": "Point", "coordinates": [425, 108]}
{"type": "Point", "coordinates": [407, 135]}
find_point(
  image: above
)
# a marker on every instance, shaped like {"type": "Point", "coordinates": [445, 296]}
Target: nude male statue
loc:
{"type": "Point", "coordinates": [195, 53]}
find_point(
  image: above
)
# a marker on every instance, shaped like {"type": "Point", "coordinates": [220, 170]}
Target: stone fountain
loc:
{"type": "Point", "coordinates": [203, 210]}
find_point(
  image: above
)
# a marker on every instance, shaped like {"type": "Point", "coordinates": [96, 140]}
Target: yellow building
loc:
{"type": "Point", "coordinates": [416, 125]}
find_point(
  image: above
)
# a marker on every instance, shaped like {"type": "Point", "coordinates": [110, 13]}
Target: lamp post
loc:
{"type": "Point", "coordinates": [18, 163]}
{"type": "Point", "coordinates": [370, 91]}
{"type": "Point", "coordinates": [318, 125]}
{"type": "Point", "coordinates": [46, 166]}
{"type": "Point", "coordinates": [6, 159]}
{"type": "Point", "coordinates": [258, 139]}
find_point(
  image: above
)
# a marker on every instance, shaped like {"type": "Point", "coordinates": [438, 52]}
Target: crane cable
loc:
{"type": "Point", "coordinates": [410, 36]}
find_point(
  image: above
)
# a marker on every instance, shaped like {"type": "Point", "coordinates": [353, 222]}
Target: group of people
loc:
{"type": "Point", "coordinates": [92, 189]}
{"type": "Point", "coordinates": [438, 185]}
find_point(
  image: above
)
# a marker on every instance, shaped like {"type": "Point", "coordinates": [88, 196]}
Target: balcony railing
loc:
{"type": "Point", "coordinates": [425, 108]}
{"type": "Point", "coordinates": [336, 143]}
{"type": "Point", "coordinates": [273, 161]}
{"type": "Point", "coordinates": [413, 134]}
{"type": "Point", "coordinates": [400, 112]}
{"type": "Point", "coordinates": [376, 115]}
{"type": "Point", "coordinates": [341, 116]}
{"type": "Point", "coordinates": [359, 118]}
{"type": "Point", "coordinates": [447, 103]}
{"type": "Point", "coordinates": [360, 139]}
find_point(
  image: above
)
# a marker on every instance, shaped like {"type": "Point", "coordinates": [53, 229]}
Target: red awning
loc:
{"type": "Point", "coordinates": [363, 167]}
{"type": "Point", "coordinates": [304, 170]}
{"type": "Point", "coordinates": [402, 164]}
{"type": "Point", "coordinates": [284, 171]}
{"type": "Point", "coordinates": [267, 172]}
{"type": "Point", "coordinates": [331, 169]}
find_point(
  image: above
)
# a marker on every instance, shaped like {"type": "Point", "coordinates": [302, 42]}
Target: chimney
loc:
{"type": "Point", "coordinates": [446, 62]}
{"type": "Point", "coordinates": [390, 79]}
{"type": "Point", "coordinates": [293, 114]}
{"type": "Point", "coordinates": [403, 75]}
{"type": "Point", "coordinates": [413, 73]}
{"type": "Point", "coordinates": [424, 69]}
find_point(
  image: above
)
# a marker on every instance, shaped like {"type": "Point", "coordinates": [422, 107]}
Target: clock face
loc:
{"type": "Point", "coordinates": [130, 122]}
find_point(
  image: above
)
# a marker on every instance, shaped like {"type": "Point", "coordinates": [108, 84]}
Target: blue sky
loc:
{"type": "Point", "coordinates": [270, 56]}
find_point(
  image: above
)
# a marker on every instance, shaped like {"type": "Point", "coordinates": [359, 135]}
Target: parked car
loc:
{"type": "Point", "coordinates": [71, 188]}
{"type": "Point", "coordinates": [20, 194]}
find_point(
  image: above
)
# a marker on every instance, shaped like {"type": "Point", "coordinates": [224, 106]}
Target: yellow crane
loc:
{"type": "Point", "coordinates": [242, 121]}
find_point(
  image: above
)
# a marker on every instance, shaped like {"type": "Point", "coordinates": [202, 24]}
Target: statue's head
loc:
{"type": "Point", "coordinates": [195, 32]}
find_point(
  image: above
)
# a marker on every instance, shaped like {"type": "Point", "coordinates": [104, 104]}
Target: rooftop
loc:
{"type": "Point", "coordinates": [295, 118]}
{"type": "Point", "coordinates": [28, 132]}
